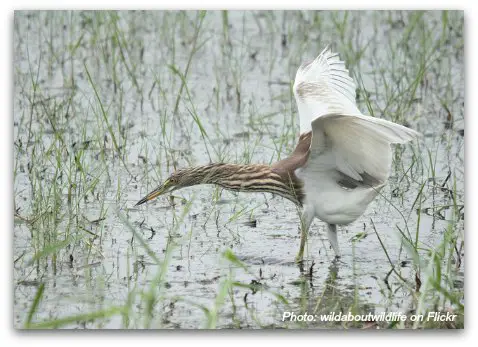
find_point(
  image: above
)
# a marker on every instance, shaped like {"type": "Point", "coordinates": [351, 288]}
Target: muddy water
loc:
{"type": "Point", "coordinates": [238, 71]}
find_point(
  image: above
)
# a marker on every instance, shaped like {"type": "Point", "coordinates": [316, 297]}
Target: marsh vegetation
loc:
{"type": "Point", "coordinates": [108, 104]}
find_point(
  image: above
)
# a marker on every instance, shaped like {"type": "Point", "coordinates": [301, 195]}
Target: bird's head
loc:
{"type": "Point", "coordinates": [177, 180]}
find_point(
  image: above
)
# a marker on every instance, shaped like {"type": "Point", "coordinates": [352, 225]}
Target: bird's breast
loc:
{"type": "Point", "coordinates": [334, 204]}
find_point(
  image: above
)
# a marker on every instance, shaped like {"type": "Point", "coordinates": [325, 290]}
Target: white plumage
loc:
{"type": "Point", "coordinates": [350, 154]}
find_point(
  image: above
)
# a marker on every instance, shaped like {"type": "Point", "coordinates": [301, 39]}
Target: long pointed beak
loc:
{"type": "Point", "coordinates": [155, 193]}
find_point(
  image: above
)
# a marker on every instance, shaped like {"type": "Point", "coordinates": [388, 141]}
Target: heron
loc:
{"type": "Point", "coordinates": [340, 163]}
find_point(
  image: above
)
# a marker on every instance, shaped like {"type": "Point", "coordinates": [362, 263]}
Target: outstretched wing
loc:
{"type": "Point", "coordinates": [323, 87]}
{"type": "Point", "coordinates": [344, 141]}
{"type": "Point", "coordinates": [356, 145]}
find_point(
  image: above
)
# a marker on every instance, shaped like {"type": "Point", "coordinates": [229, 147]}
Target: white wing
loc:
{"type": "Point", "coordinates": [322, 87]}
{"type": "Point", "coordinates": [343, 139]}
{"type": "Point", "coordinates": [356, 145]}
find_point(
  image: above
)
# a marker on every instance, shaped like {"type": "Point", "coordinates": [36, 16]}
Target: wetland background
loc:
{"type": "Point", "coordinates": [107, 104]}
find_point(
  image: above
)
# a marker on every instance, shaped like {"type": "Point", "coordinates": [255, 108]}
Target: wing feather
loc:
{"type": "Point", "coordinates": [356, 145]}
{"type": "Point", "coordinates": [322, 87]}
{"type": "Point", "coordinates": [343, 139]}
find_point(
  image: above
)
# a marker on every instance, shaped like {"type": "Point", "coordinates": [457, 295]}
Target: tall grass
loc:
{"type": "Point", "coordinates": [107, 104]}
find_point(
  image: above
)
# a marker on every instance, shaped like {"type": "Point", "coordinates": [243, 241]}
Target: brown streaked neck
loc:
{"type": "Point", "coordinates": [280, 178]}
{"type": "Point", "coordinates": [251, 178]}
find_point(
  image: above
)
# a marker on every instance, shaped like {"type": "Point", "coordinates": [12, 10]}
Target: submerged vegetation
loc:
{"type": "Point", "coordinates": [107, 104]}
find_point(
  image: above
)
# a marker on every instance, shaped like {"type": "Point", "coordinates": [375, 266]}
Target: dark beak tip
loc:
{"type": "Point", "coordinates": [140, 202]}
{"type": "Point", "coordinates": [155, 193]}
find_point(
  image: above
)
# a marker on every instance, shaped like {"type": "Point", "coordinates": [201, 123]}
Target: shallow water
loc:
{"type": "Point", "coordinates": [78, 193]}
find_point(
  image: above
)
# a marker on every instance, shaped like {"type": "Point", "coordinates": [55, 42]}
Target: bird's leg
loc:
{"type": "Point", "coordinates": [303, 239]}
{"type": "Point", "coordinates": [305, 221]}
{"type": "Point", "coordinates": [332, 234]}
